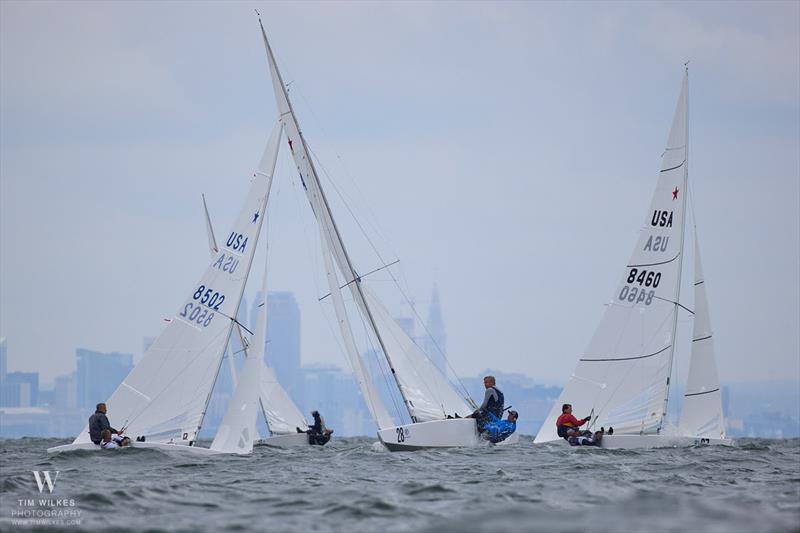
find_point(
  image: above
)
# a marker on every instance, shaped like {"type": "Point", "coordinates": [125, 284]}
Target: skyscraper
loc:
{"type": "Point", "coordinates": [99, 374]}
{"type": "Point", "coordinates": [436, 340]}
{"type": "Point", "coordinates": [3, 370]}
{"type": "Point", "coordinates": [21, 389]}
{"type": "Point", "coordinates": [282, 351]}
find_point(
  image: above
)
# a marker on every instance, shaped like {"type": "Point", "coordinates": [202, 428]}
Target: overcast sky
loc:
{"type": "Point", "coordinates": [504, 151]}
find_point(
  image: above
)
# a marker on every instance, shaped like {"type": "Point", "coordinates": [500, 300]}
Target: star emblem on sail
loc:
{"type": "Point", "coordinates": [675, 193]}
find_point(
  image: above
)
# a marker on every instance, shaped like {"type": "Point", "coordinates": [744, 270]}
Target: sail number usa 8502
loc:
{"type": "Point", "coordinates": [201, 311]}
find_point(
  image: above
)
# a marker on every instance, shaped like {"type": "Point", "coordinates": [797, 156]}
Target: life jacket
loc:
{"type": "Point", "coordinates": [496, 406]}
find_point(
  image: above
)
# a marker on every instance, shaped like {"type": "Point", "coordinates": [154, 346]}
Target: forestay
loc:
{"type": "Point", "coordinates": [622, 378]}
{"type": "Point", "coordinates": [331, 240]}
{"type": "Point", "coordinates": [428, 393]}
{"type": "Point", "coordinates": [701, 414]}
{"type": "Point", "coordinates": [164, 397]}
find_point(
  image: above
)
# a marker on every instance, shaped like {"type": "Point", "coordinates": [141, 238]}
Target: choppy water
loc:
{"type": "Point", "coordinates": [354, 485]}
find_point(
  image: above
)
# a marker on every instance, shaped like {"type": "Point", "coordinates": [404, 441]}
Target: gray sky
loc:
{"type": "Point", "coordinates": [506, 151]}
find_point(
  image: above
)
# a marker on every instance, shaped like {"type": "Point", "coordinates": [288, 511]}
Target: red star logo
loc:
{"type": "Point", "coordinates": [290, 146]}
{"type": "Point", "coordinates": [675, 194]}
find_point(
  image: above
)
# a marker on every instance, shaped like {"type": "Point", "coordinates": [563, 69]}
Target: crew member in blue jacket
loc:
{"type": "Point", "coordinates": [497, 430]}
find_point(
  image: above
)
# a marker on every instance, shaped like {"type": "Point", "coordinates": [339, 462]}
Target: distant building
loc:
{"type": "Point", "coordinates": [435, 342]}
{"type": "Point", "coordinates": [21, 389]}
{"type": "Point", "coordinates": [282, 350]}
{"type": "Point", "coordinates": [66, 392]}
{"type": "Point", "coordinates": [407, 325]}
{"type": "Point", "coordinates": [3, 370]}
{"type": "Point", "coordinates": [99, 374]}
{"type": "Point", "coordinates": [3, 360]}
{"type": "Point", "coordinates": [336, 395]}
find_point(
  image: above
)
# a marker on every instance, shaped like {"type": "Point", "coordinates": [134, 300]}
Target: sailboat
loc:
{"type": "Point", "coordinates": [161, 403]}
{"type": "Point", "coordinates": [281, 414]}
{"type": "Point", "coordinates": [623, 379]}
{"type": "Point", "coordinates": [428, 396]}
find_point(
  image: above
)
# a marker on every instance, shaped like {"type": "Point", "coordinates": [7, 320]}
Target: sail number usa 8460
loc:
{"type": "Point", "coordinates": [201, 311]}
{"type": "Point", "coordinates": [640, 294]}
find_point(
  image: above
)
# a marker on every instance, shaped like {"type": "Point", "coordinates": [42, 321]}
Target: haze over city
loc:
{"type": "Point", "coordinates": [508, 164]}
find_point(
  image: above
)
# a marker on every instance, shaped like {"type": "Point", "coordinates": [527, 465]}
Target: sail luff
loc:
{"type": "Point", "coordinates": [702, 414]}
{"type": "Point", "coordinates": [266, 169]}
{"type": "Point", "coordinates": [320, 205]}
{"type": "Point", "coordinates": [363, 378]}
{"type": "Point", "coordinates": [685, 91]}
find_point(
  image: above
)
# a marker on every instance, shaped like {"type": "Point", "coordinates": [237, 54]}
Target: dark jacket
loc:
{"type": "Point", "coordinates": [317, 427]}
{"type": "Point", "coordinates": [493, 402]}
{"type": "Point", "coordinates": [97, 423]}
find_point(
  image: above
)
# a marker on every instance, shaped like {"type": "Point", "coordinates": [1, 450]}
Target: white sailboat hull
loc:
{"type": "Point", "coordinates": [180, 448]}
{"type": "Point", "coordinates": [289, 440]}
{"type": "Point", "coordinates": [450, 433]}
{"type": "Point", "coordinates": [634, 442]}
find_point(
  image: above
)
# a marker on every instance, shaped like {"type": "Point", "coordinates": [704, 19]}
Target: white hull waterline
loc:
{"type": "Point", "coordinates": [161, 446]}
{"type": "Point", "coordinates": [450, 433]}
{"type": "Point", "coordinates": [634, 442]}
{"type": "Point", "coordinates": [289, 440]}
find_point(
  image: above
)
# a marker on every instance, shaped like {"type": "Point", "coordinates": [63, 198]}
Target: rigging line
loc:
{"type": "Point", "coordinates": [347, 205]}
{"type": "Point", "coordinates": [630, 369]}
{"type": "Point", "coordinates": [374, 352]}
{"type": "Point", "coordinates": [235, 321]}
{"type": "Point", "coordinates": [674, 303]}
{"type": "Point", "coordinates": [361, 276]}
{"type": "Point", "coordinates": [380, 257]}
{"type": "Point", "coordinates": [363, 201]}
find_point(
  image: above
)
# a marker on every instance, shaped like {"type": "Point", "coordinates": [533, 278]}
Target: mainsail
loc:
{"type": "Point", "coordinates": [701, 414]}
{"type": "Point", "coordinates": [623, 377]}
{"type": "Point", "coordinates": [164, 397]}
{"type": "Point", "coordinates": [408, 382]}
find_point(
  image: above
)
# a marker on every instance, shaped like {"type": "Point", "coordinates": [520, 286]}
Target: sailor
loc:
{"type": "Point", "coordinates": [106, 442]}
{"type": "Point", "coordinates": [98, 423]}
{"type": "Point", "coordinates": [318, 433]}
{"type": "Point", "coordinates": [497, 430]}
{"type": "Point", "coordinates": [568, 421]}
{"type": "Point", "coordinates": [493, 402]}
{"type": "Point", "coordinates": [576, 438]}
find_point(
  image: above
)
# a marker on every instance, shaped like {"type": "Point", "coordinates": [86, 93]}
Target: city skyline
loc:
{"type": "Point", "coordinates": [521, 208]}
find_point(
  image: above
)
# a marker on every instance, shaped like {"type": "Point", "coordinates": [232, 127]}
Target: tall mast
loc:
{"type": "Point", "coordinates": [343, 259]}
{"type": "Point", "coordinates": [685, 90]}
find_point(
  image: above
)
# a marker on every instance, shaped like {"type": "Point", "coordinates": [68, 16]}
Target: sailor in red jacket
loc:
{"type": "Point", "coordinates": [568, 421]}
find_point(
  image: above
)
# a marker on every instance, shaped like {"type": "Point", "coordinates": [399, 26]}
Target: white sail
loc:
{"type": "Point", "coordinates": [701, 415]}
{"type": "Point", "coordinates": [331, 240]}
{"type": "Point", "coordinates": [164, 397]}
{"type": "Point", "coordinates": [623, 377]}
{"type": "Point", "coordinates": [363, 378]}
{"type": "Point", "coordinates": [281, 413]}
{"type": "Point", "coordinates": [429, 394]}
{"type": "Point", "coordinates": [237, 431]}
